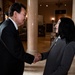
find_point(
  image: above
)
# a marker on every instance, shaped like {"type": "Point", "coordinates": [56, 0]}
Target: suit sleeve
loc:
{"type": "Point", "coordinates": [14, 45]}
{"type": "Point", "coordinates": [44, 55]}
{"type": "Point", "coordinates": [66, 61]}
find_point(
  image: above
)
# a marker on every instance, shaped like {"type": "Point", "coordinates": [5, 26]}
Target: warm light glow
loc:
{"type": "Point", "coordinates": [6, 17]}
{"type": "Point", "coordinates": [26, 16]}
{"type": "Point", "coordinates": [46, 5]}
{"type": "Point", "coordinates": [52, 19]}
{"type": "Point", "coordinates": [65, 5]}
{"type": "Point", "coordinates": [40, 5]}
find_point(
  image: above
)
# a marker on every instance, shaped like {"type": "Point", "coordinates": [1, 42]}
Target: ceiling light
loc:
{"type": "Point", "coordinates": [40, 5]}
{"type": "Point", "coordinates": [46, 5]}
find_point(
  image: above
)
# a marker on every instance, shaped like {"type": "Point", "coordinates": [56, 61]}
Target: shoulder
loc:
{"type": "Point", "coordinates": [71, 43]}
{"type": "Point", "coordinates": [70, 47]}
{"type": "Point", "coordinates": [62, 41]}
{"type": "Point", "coordinates": [9, 24]}
{"type": "Point", "coordinates": [9, 27]}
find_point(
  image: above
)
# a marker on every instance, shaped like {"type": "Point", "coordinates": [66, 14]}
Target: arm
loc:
{"type": "Point", "coordinates": [14, 45]}
{"type": "Point", "coordinates": [39, 56]}
{"type": "Point", "coordinates": [44, 55]}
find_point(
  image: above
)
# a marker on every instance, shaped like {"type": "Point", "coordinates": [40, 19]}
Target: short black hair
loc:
{"type": "Point", "coordinates": [15, 7]}
{"type": "Point", "coordinates": [6, 13]}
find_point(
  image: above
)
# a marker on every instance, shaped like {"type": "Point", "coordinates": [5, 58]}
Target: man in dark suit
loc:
{"type": "Point", "coordinates": [12, 54]}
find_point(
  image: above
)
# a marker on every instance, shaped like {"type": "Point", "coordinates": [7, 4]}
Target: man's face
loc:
{"type": "Point", "coordinates": [57, 26]}
{"type": "Point", "coordinates": [20, 17]}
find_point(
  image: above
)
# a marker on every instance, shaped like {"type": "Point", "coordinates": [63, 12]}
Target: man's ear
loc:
{"type": "Point", "coordinates": [15, 13]}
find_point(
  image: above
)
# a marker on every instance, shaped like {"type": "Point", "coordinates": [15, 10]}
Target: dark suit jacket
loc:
{"type": "Point", "coordinates": [12, 59]}
{"type": "Point", "coordinates": [59, 58]}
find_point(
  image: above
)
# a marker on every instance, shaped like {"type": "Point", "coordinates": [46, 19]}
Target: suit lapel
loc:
{"type": "Point", "coordinates": [54, 42]}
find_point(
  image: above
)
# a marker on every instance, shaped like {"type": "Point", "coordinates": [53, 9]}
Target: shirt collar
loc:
{"type": "Point", "coordinates": [58, 38]}
{"type": "Point", "coordinates": [14, 23]}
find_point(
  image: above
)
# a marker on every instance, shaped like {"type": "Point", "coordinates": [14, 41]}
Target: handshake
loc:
{"type": "Point", "coordinates": [37, 57]}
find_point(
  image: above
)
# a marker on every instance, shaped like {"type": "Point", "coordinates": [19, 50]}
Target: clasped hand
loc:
{"type": "Point", "coordinates": [37, 57]}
